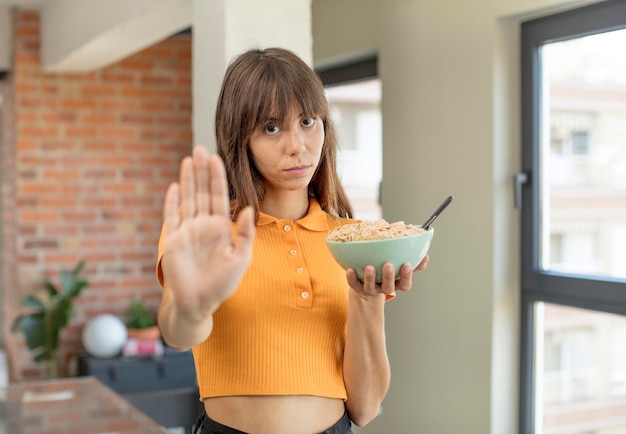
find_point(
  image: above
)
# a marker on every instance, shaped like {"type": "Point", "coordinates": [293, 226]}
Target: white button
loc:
{"type": "Point", "coordinates": [287, 228]}
{"type": "Point", "coordinates": [304, 295]}
{"type": "Point", "coordinates": [292, 252]}
{"type": "Point", "coordinates": [299, 270]}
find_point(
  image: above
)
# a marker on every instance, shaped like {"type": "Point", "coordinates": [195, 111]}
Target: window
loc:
{"type": "Point", "coordinates": [574, 222]}
{"type": "Point", "coordinates": [354, 94]}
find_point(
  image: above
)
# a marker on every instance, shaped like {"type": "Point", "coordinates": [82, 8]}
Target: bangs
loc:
{"type": "Point", "coordinates": [280, 87]}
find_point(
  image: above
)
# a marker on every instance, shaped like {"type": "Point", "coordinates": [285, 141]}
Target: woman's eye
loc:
{"type": "Point", "coordinates": [272, 129]}
{"type": "Point", "coordinates": [308, 122]}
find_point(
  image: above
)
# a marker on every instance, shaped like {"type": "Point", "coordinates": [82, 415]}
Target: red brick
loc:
{"type": "Point", "coordinates": [66, 260]}
{"type": "Point", "coordinates": [38, 217]}
{"type": "Point", "coordinates": [59, 202]}
{"type": "Point", "coordinates": [98, 119]}
{"type": "Point", "coordinates": [119, 105]}
{"type": "Point", "coordinates": [80, 132]}
{"type": "Point", "coordinates": [74, 104]}
{"type": "Point", "coordinates": [136, 92]}
{"type": "Point", "coordinates": [118, 133]}
{"type": "Point", "coordinates": [91, 91]}
{"type": "Point", "coordinates": [37, 188]}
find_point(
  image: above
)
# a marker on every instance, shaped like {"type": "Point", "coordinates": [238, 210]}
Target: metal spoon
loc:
{"type": "Point", "coordinates": [438, 211]}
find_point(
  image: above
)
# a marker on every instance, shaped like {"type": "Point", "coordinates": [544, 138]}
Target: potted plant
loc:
{"type": "Point", "coordinates": [46, 312]}
{"type": "Point", "coordinates": [141, 322]}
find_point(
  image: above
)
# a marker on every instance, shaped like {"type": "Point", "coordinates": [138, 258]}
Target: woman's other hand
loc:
{"type": "Point", "coordinates": [389, 284]}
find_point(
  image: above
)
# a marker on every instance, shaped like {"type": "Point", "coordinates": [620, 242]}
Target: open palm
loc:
{"type": "Point", "coordinates": [203, 261]}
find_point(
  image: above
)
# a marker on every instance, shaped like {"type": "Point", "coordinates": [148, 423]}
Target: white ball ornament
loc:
{"type": "Point", "coordinates": [104, 336]}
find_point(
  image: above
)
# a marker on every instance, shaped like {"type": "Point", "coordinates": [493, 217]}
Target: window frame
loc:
{"type": "Point", "coordinates": [364, 67]}
{"type": "Point", "coordinates": [607, 294]}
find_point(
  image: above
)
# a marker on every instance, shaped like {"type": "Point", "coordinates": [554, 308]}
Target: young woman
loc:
{"type": "Point", "coordinates": [284, 340]}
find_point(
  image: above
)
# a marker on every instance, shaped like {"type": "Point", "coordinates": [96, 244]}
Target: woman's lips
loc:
{"type": "Point", "coordinates": [298, 170]}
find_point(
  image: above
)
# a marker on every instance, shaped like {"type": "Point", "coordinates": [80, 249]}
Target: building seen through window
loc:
{"type": "Point", "coordinates": [585, 167]}
{"type": "Point", "coordinates": [355, 109]}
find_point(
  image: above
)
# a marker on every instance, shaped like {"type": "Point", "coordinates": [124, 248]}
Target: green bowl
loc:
{"type": "Point", "coordinates": [409, 249]}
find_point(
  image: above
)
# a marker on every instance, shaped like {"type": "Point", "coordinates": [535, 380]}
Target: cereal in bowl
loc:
{"type": "Point", "coordinates": [372, 230]}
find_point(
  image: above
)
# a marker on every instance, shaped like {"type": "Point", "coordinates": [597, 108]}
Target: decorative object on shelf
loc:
{"type": "Point", "coordinates": [104, 336]}
{"type": "Point", "coordinates": [142, 347]}
{"type": "Point", "coordinates": [141, 322]}
{"type": "Point", "coordinates": [46, 312]}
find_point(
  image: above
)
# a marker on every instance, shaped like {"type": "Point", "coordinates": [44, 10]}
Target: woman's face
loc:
{"type": "Point", "coordinates": [286, 152]}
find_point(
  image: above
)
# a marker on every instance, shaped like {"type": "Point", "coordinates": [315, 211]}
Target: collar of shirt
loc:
{"type": "Point", "coordinates": [314, 220]}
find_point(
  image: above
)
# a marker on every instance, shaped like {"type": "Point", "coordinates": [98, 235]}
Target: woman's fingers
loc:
{"type": "Point", "coordinates": [422, 265]}
{"type": "Point", "coordinates": [388, 285]}
{"type": "Point", "coordinates": [203, 185]}
{"type": "Point", "coordinates": [171, 217]}
{"type": "Point", "coordinates": [406, 278]}
{"type": "Point", "coordinates": [353, 281]}
{"type": "Point", "coordinates": [187, 188]}
{"type": "Point", "coordinates": [245, 232]}
{"type": "Point", "coordinates": [219, 200]}
{"type": "Point", "coordinates": [201, 172]}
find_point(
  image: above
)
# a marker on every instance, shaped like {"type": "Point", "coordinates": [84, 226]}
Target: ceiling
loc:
{"type": "Point", "coordinates": [24, 4]}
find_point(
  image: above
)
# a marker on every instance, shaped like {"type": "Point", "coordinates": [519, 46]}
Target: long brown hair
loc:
{"type": "Point", "coordinates": [260, 82]}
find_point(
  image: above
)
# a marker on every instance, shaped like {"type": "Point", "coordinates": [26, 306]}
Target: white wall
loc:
{"type": "Point", "coordinates": [451, 120]}
{"type": "Point", "coordinates": [5, 39]}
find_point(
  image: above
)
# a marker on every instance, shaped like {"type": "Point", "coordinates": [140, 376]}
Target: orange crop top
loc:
{"type": "Point", "coordinates": [283, 331]}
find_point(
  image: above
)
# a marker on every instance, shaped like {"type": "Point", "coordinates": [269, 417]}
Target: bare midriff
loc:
{"type": "Point", "coordinates": [291, 414]}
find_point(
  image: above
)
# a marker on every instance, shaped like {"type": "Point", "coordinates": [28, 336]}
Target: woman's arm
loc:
{"type": "Point", "coordinates": [181, 331]}
{"type": "Point", "coordinates": [366, 368]}
{"type": "Point", "coordinates": [201, 262]}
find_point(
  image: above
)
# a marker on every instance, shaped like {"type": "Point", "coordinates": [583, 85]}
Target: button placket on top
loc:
{"type": "Point", "coordinates": [302, 283]}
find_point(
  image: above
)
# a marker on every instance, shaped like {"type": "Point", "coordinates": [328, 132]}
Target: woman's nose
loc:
{"type": "Point", "coordinates": [295, 144]}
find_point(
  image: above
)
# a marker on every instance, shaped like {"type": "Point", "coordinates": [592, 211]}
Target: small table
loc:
{"type": "Point", "coordinates": [70, 405]}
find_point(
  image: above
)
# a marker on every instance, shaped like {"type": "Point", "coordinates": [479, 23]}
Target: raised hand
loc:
{"type": "Point", "coordinates": [203, 261]}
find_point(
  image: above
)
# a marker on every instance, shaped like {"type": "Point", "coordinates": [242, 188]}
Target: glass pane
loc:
{"type": "Point", "coordinates": [356, 113]}
{"type": "Point", "coordinates": [581, 371]}
{"type": "Point", "coordinates": [583, 155]}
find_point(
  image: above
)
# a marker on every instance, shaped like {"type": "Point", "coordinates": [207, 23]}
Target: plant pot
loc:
{"type": "Point", "coordinates": [147, 334]}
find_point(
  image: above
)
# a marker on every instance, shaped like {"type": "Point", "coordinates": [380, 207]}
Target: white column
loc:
{"type": "Point", "coordinates": [223, 29]}
{"type": "Point", "coordinates": [5, 40]}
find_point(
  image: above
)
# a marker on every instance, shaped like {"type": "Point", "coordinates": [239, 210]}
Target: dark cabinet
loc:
{"type": "Point", "coordinates": [162, 387]}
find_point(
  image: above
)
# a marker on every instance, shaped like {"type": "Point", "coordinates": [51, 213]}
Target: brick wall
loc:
{"type": "Point", "coordinates": [93, 155]}
{"type": "Point", "coordinates": [7, 205]}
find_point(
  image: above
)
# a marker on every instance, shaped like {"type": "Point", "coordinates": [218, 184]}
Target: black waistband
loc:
{"type": "Point", "coordinates": [206, 425]}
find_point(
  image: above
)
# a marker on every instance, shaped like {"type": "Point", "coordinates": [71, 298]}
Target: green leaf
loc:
{"type": "Point", "coordinates": [34, 331]}
{"type": "Point", "coordinates": [54, 321]}
{"type": "Point", "coordinates": [71, 283]}
{"type": "Point", "coordinates": [52, 290]}
{"type": "Point", "coordinates": [78, 268]}
{"type": "Point", "coordinates": [75, 287]}
{"type": "Point", "coordinates": [60, 313]}
{"type": "Point", "coordinates": [33, 302]}
{"type": "Point", "coordinates": [40, 356]}
{"type": "Point", "coordinates": [139, 316]}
